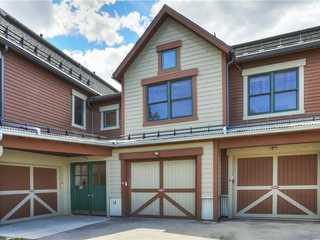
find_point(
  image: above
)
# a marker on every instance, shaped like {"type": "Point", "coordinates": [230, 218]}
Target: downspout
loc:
{"type": "Point", "coordinates": [229, 64]}
{"type": "Point", "coordinates": [5, 50]}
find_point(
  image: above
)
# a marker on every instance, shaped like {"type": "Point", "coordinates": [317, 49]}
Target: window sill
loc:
{"type": "Point", "coordinates": [170, 121]}
{"type": "Point", "coordinates": [109, 128]}
{"type": "Point", "coordinates": [78, 126]}
{"type": "Point", "coordinates": [271, 115]}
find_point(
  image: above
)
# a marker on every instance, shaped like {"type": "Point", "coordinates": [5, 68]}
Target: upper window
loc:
{"type": "Point", "coordinates": [273, 92]}
{"type": "Point", "coordinates": [109, 117]}
{"type": "Point", "coordinates": [169, 56]}
{"type": "Point", "coordinates": [170, 100]}
{"type": "Point", "coordinates": [169, 59]}
{"type": "Point", "coordinates": [78, 109]}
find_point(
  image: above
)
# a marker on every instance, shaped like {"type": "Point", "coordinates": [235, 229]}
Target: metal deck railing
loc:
{"type": "Point", "coordinates": [275, 43]}
{"type": "Point", "coordinates": [53, 59]}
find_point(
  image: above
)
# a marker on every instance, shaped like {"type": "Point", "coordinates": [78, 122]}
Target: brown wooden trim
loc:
{"type": "Point", "coordinates": [170, 76]}
{"type": "Point", "coordinates": [308, 136]}
{"type": "Point", "coordinates": [122, 115]}
{"type": "Point", "coordinates": [194, 116]}
{"type": "Point", "coordinates": [198, 187]}
{"type": "Point", "coordinates": [177, 205]}
{"type": "Point", "coordinates": [161, 187]}
{"type": "Point", "coordinates": [169, 45]}
{"type": "Point", "coordinates": [165, 47]}
{"type": "Point", "coordinates": [170, 190]}
{"type": "Point", "coordinates": [172, 153]}
{"type": "Point", "coordinates": [124, 192]}
{"type": "Point", "coordinates": [146, 204]}
{"type": "Point", "coordinates": [224, 88]}
{"type": "Point", "coordinates": [53, 147]}
{"type": "Point", "coordinates": [139, 190]}
{"type": "Point", "coordinates": [155, 24]}
{"type": "Point", "coordinates": [216, 197]}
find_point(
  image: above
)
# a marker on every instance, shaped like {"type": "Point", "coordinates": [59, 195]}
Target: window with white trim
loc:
{"type": "Point", "coordinates": [274, 90]}
{"type": "Point", "coordinates": [78, 109]}
{"type": "Point", "coordinates": [109, 117]}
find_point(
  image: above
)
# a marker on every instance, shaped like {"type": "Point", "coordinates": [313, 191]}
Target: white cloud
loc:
{"type": "Point", "coordinates": [240, 21]}
{"type": "Point", "coordinates": [135, 22]}
{"type": "Point", "coordinates": [103, 61]}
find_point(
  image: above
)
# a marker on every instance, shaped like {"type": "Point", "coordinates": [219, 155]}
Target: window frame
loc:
{"type": "Point", "coordinates": [175, 45]}
{"type": "Point", "coordinates": [272, 92]}
{"type": "Point", "coordinates": [169, 100]}
{"type": "Point", "coordinates": [191, 74]}
{"type": "Point", "coordinates": [106, 109]}
{"type": "Point", "coordinates": [274, 68]}
{"type": "Point", "coordinates": [84, 98]}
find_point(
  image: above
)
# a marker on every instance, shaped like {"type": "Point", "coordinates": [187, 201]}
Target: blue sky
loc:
{"type": "Point", "coordinates": [99, 33]}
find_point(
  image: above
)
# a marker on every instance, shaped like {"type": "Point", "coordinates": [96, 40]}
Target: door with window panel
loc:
{"type": "Point", "coordinates": [88, 188]}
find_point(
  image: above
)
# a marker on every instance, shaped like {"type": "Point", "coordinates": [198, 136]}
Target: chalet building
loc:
{"type": "Point", "coordinates": [199, 130]}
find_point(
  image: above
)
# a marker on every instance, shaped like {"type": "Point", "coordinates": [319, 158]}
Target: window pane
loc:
{"type": "Point", "coordinates": [78, 111]}
{"type": "Point", "coordinates": [285, 80]}
{"type": "Point", "coordinates": [181, 89]}
{"type": "Point", "coordinates": [169, 59]}
{"type": "Point", "coordinates": [158, 111]}
{"type": "Point", "coordinates": [181, 108]}
{"type": "Point", "coordinates": [259, 84]}
{"type": "Point", "coordinates": [110, 118]}
{"type": "Point", "coordinates": [259, 104]}
{"type": "Point", "coordinates": [157, 93]}
{"type": "Point", "coordinates": [285, 101]}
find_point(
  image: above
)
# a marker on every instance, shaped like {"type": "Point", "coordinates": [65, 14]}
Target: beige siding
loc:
{"type": "Point", "coordinates": [206, 169]}
{"type": "Point", "coordinates": [195, 53]}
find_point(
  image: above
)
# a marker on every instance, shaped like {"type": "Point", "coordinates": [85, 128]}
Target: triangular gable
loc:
{"type": "Point", "coordinates": [164, 13]}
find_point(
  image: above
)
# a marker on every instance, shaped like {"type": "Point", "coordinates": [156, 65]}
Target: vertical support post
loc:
{"type": "Point", "coordinates": [31, 192]}
{"type": "Point", "coordinates": [230, 185]}
{"type": "Point", "coordinates": [124, 189]}
{"type": "Point", "coordinates": [216, 197]}
{"type": "Point", "coordinates": [318, 185]}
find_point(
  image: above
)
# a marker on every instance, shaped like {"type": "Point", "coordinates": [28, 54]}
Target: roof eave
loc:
{"type": "Point", "coordinates": [165, 12]}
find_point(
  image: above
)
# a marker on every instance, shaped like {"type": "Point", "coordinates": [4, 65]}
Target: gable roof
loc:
{"type": "Point", "coordinates": [22, 39]}
{"type": "Point", "coordinates": [164, 13]}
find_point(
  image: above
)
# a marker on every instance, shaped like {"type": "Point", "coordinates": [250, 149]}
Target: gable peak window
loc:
{"type": "Point", "coordinates": [78, 110]}
{"type": "Point", "coordinates": [169, 56]}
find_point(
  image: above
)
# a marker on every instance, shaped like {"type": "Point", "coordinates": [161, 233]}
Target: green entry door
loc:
{"type": "Point", "coordinates": [88, 188]}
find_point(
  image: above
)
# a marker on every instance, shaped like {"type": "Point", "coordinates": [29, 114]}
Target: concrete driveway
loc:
{"type": "Point", "coordinates": [165, 229]}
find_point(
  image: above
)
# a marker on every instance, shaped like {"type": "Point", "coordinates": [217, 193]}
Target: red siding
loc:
{"type": "Point", "coordinates": [311, 87]}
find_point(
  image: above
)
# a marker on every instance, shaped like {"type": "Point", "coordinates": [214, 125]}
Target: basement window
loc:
{"type": "Point", "coordinates": [78, 110]}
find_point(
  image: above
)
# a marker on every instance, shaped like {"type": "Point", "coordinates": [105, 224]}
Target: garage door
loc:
{"type": "Point", "coordinates": [280, 186]}
{"type": "Point", "coordinates": [165, 188]}
{"type": "Point", "coordinates": [27, 191]}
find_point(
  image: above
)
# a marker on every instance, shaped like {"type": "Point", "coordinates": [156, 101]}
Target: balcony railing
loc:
{"type": "Point", "coordinates": [274, 43]}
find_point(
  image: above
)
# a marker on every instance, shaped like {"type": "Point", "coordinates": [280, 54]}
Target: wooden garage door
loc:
{"type": "Point", "coordinates": [165, 188]}
{"type": "Point", "coordinates": [284, 186]}
{"type": "Point", "coordinates": [26, 192]}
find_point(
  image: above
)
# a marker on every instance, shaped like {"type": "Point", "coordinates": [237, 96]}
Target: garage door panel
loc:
{"type": "Point", "coordinates": [145, 174]}
{"type": "Point", "coordinates": [179, 174]}
{"type": "Point", "coordinates": [265, 207]}
{"type": "Point", "coordinates": [297, 170]}
{"type": "Point", "coordinates": [255, 171]}
{"type": "Point", "coordinates": [307, 198]}
{"type": "Point", "coordinates": [49, 198]}
{"type": "Point", "coordinates": [185, 200]}
{"type": "Point", "coordinates": [138, 199]}
{"type": "Point", "coordinates": [287, 208]}
{"type": "Point", "coordinates": [8, 202]}
{"type": "Point", "coordinates": [14, 178]}
{"type": "Point", "coordinates": [45, 178]}
{"type": "Point", "coordinates": [22, 212]}
{"type": "Point", "coordinates": [246, 197]}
